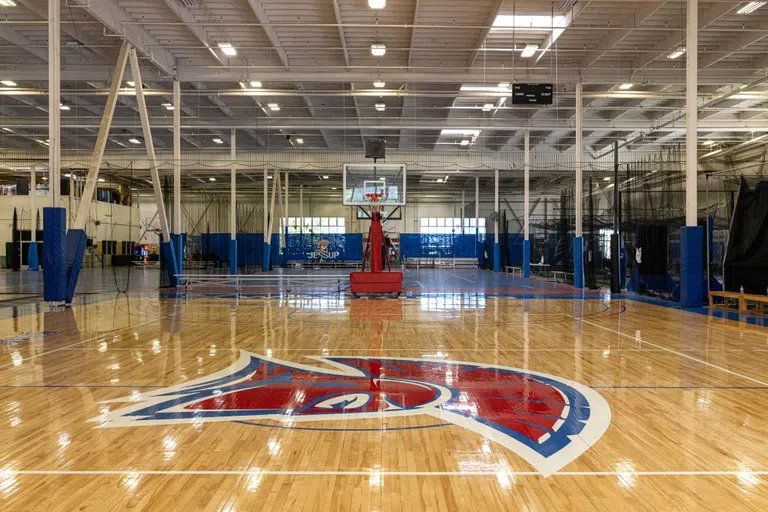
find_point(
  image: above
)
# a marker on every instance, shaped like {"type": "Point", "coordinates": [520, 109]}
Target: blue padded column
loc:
{"type": "Point", "coordinates": [54, 254]}
{"type": "Point", "coordinates": [76, 239]}
{"type": "Point", "coordinates": [526, 259]}
{"type": "Point", "coordinates": [233, 257]}
{"type": "Point", "coordinates": [578, 262]}
{"type": "Point", "coordinates": [178, 241]}
{"type": "Point", "coordinates": [266, 257]}
{"type": "Point", "coordinates": [32, 260]}
{"type": "Point", "coordinates": [496, 257]}
{"type": "Point", "coordinates": [691, 266]}
{"type": "Point", "coordinates": [169, 256]}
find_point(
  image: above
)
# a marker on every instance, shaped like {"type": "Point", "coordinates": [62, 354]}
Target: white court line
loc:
{"type": "Point", "coordinates": [463, 278]}
{"type": "Point", "coordinates": [102, 335]}
{"type": "Point", "coordinates": [382, 473]}
{"type": "Point", "coordinates": [420, 285]}
{"type": "Point", "coordinates": [726, 370]}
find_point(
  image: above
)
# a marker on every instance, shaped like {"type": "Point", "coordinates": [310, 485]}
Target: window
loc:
{"type": "Point", "coordinates": [605, 242]}
{"type": "Point", "coordinates": [449, 226]}
{"type": "Point", "coordinates": [315, 225]}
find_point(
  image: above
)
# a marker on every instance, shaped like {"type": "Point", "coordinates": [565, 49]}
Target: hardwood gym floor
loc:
{"type": "Point", "coordinates": [440, 401]}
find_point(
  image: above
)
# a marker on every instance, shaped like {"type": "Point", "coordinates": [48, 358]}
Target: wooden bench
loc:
{"type": "Point", "coordinates": [513, 271]}
{"type": "Point", "coordinates": [565, 275]}
{"type": "Point", "coordinates": [743, 300]}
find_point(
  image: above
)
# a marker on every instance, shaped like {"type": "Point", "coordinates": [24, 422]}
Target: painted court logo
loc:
{"type": "Point", "coordinates": [546, 420]}
{"type": "Point", "coordinates": [323, 251]}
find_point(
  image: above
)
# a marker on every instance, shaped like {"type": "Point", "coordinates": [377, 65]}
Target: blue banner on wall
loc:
{"type": "Point", "coordinates": [438, 246]}
{"type": "Point", "coordinates": [347, 247]}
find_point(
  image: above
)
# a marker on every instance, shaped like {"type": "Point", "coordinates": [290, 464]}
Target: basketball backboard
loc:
{"type": "Point", "coordinates": [386, 179]}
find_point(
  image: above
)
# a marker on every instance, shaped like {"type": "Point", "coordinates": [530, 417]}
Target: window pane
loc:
{"type": "Point", "coordinates": [424, 222]}
{"type": "Point", "coordinates": [332, 221]}
{"type": "Point", "coordinates": [432, 222]}
{"type": "Point", "coordinates": [482, 222]}
{"type": "Point", "coordinates": [341, 221]}
{"type": "Point", "coordinates": [440, 222]}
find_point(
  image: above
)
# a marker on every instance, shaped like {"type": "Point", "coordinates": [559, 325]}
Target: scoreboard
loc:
{"type": "Point", "coordinates": [532, 94]}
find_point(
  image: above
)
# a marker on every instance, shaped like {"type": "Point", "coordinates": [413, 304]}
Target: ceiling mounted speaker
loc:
{"type": "Point", "coordinates": [376, 148]}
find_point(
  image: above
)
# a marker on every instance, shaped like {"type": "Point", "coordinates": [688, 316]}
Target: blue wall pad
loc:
{"type": "Point", "coordinates": [578, 262]}
{"type": "Point", "coordinates": [169, 255]}
{"type": "Point", "coordinates": [526, 259]}
{"type": "Point", "coordinates": [232, 256]}
{"type": "Point", "coordinates": [32, 261]}
{"type": "Point", "coordinates": [54, 254]}
{"type": "Point", "coordinates": [691, 266]}
{"type": "Point", "coordinates": [76, 240]}
{"type": "Point", "coordinates": [496, 257]}
{"type": "Point", "coordinates": [306, 247]}
{"type": "Point", "coordinates": [179, 241]}
{"type": "Point", "coordinates": [265, 258]}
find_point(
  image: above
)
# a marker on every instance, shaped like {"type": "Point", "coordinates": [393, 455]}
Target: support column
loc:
{"type": "Point", "coordinates": [32, 260]}
{"type": "Point", "coordinates": [527, 206]}
{"type": "Point", "coordinates": [578, 240]}
{"type": "Point", "coordinates": [177, 236]}
{"type": "Point", "coordinates": [76, 237]}
{"type": "Point", "coordinates": [267, 249]}
{"type": "Point", "coordinates": [463, 202]}
{"type": "Point", "coordinates": [691, 236]}
{"type": "Point", "coordinates": [480, 250]}
{"type": "Point", "coordinates": [233, 205]}
{"type": "Point", "coordinates": [301, 209]}
{"type": "Point", "coordinates": [496, 248]}
{"type": "Point", "coordinates": [55, 217]}
{"type": "Point", "coordinates": [166, 246]}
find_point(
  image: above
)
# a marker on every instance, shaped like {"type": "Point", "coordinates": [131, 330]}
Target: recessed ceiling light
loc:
{"type": "Point", "coordinates": [378, 50]}
{"type": "Point", "coordinates": [487, 107]}
{"type": "Point", "coordinates": [211, 179]}
{"type": "Point", "coordinates": [675, 54]}
{"type": "Point", "coordinates": [626, 87]}
{"type": "Point", "coordinates": [299, 141]}
{"type": "Point", "coordinates": [63, 106]}
{"type": "Point", "coordinates": [379, 84]}
{"type": "Point", "coordinates": [274, 107]}
{"type": "Point", "coordinates": [256, 85]}
{"type": "Point", "coordinates": [750, 8]}
{"type": "Point", "coordinates": [377, 4]}
{"type": "Point", "coordinates": [529, 51]}
{"type": "Point", "coordinates": [134, 141]}
{"type": "Point", "coordinates": [218, 141]}
{"type": "Point", "coordinates": [381, 107]}
{"type": "Point", "coordinates": [8, 83]}
{"type": "Point", "coordinates": [227, 49]}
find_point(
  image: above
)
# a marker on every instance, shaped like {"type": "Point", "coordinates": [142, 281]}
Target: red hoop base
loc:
{"type": "Point", "coordinates": [363, 283]}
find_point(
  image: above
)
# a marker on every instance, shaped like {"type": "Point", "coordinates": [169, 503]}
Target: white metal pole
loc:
{"type": "Point", "coordinates": [32, 210]}
{"type": "Point", "coordinates": [527, 186]}
{"type": "Point", "coordinates": [285, 213]}
{"type": "Point", "coordinates": [477, 205]}
{"type": "Point", "coordinates": [496, 205]}
{"type": "Point", "coordinates": [266, 200]}
{"type": "Point", "coordinates": [54, 101]}
{"type": "Point", "coordinates": [101, 141]}
{"type": "Point", "coordinates": [463, 202]}
{"type": "Point", "coordinates": [579, 182]}
{"type": "Point", "coordinates": [177, 157]}
{"type": "Point", "coordinates": [142, 104]}
{"type": "Point", "coordinates": [691, 107]}
{"type": "Point", "coordinates": [275, 193]}
{"type": "Point", "coordinates": [233, 192]}
{"type": "Point", "coordinates": [301, 208]}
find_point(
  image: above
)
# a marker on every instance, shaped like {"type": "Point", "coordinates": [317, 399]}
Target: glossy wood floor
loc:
{"type": "Point", "coordinates": [687, 395]}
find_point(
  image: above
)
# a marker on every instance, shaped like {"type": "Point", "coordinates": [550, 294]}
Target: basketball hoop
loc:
{"type": "Point", "coordinates": [375, 201]}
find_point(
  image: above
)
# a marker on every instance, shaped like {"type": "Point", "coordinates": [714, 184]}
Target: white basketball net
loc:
{"type": "Point", "coordinates": [375, 201]}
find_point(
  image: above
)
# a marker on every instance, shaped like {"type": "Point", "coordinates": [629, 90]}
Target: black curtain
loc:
{"type": "Point", "coordinates": [652, 240]}
{"type": "Point", "coordinates": [746, 260]}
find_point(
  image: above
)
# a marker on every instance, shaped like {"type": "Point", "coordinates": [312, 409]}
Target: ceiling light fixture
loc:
{"type": "Point", "coordinates": [63, 106]}
{"type": "Point", "coordinates": [7, 3]}
{"type": "Point", "coordinates": [168, 106]}
{"type": "Point", "coordinates": [299, 141]}
{"type": "Point", "coordinates": [134, 140]}
{"type": "Point", "coordinates": [381, 107]}
{"type": "Point", "coordinates": [274, 107]}
{"type": "Point", "coordinates": [8, 83]}
{"type": "Point", "coordinates": [465, 142]}
{"type": "Point", "coordinates": [675, 54]}
{"type": "Point", "coordinates": [218, 141]}
{"type": "Point", "coordinates": [708, 143]}
{"type": "Point", "coordinates": [377, 4]}
{"type": "Point", "coordinates": [487, 107]}
{"type": "Point", "coordinates": [750, 8]}
{"type": "Point", "coordinates": [326, 177]}
{"type": "Point", "coordinates": [379, 84]}
{"type": "Point", "coordinates": [503, 85]}
{"type": "Point", "coordinates": [211, 179]}
{"type": "Point", "coordinates": [256, 84]}
{"type": "Point", "coordinates": [227, 49]}
{"type": "Point", "coordinates": [378, 50]}
{"type": "Point", "coordinates": [606, 179]}
{"type": "Point", "coordinates": [529, 51]}
{"type": "Point", "coordinates": [101, 180]}
{"type": "Point", "coordinates": [131, 83]}
{"type": "Point", "coordinates": [626, 87]}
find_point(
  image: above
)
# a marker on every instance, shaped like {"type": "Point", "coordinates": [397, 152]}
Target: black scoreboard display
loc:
{"type": "Point", "coordinates": [532, 94]}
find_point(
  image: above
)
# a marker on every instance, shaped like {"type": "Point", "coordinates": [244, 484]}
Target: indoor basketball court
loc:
{"type": "Point", "coordinates": [361, 255]}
